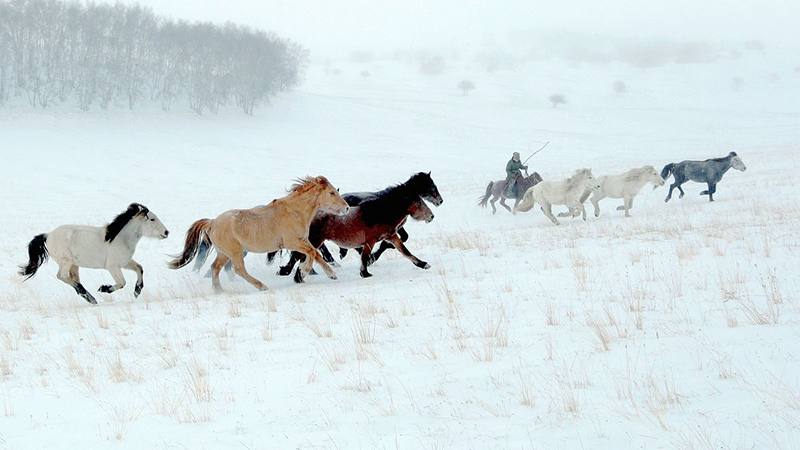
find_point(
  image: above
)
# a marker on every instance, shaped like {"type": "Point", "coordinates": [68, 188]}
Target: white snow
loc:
{"type": "Point", "coordinates": [612, 333]}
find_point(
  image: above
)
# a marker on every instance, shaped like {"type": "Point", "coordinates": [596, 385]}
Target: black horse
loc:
{"type": "Point", "coordinates": [376, 210]}
{"type": "Point", "coordinates": [709, 171]}
{"type": "Point", "coordinates": [421, 183]}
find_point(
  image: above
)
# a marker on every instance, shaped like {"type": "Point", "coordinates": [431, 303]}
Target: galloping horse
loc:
{"type": "Point", "coordinates": [110, 247]}
{"type": "Point", "coordinates": [281, 224]}
{"type": "Point", "coordinates": [625, 186]}
{"type": "Point", "coordinates": [364, 226]}
{"type": "Point", "coordinates": [564, 192]}
{"type": "Point", "coordinates": [497, 191]}
{"type": "Point", "coordinates": [709, 171]}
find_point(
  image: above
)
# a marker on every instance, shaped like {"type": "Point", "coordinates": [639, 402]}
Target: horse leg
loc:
{"type": "Point", "coordinates": [403, 234]}
{"type": "Point", "coordinates": [342, 252]}
{"type": "Point", "coordinates": [712, 188]}
{"type": "Point", "coordinates": [68, 273]}
{"type": "Point", "coordinates": [627, 205]}
{"type": "Point", "coordinates": [547, 209]}
{"type": "Point", "coordinates": [384, 246]}
{"type": "Point", "coordinates": [681, 189]}
{"type": "Point", "coordinates": [286, 270]}
{"type": "Point", "coordinates": [238, 267]}
{"type": "Point", "coordinates": [596, 203]}
{"type": "Point", "coordinates": [404, 251]}
{"type": "Point", "coordinates": [503, 204]}
{"type": "Point", "coordinates": [119, 281]}
{"type": "Point", "coordinates": [494, 208]}
{"type": "Point", "coordinates": [671, 188]}
{"type": "Point", "coordinates": [326, 255]}
{"type": "Point", "coordinates": [136, 267]}
{"type": "Point", "coordinates": [305, 247]}
{"type": "Point", "coordinates": [271, 257]}
{"type": "Point", "coordinates": [366, 252]}
{"type": "Point", "coordinates": [216, 267]}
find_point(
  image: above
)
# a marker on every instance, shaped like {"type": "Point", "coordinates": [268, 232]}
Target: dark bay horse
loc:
{"type": "Point", "coordinates": [496, 190]}
{"type": "Point", "coordinates": [709, 171]}
{"type": "Point", "coordinates": [359, 228]}
{"type": "Point", "coordinates": [375, 219]}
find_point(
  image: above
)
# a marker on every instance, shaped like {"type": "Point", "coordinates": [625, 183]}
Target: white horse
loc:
{"type": "Point", "coordinates": [110, 247]}
{"type": "Point", "coordinates": [625, 186]}
{"type": "Point", "coordinates": [564, 192]}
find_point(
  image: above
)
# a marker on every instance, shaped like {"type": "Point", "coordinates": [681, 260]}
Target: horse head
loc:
{"type": "Point", "coordinates": [653, 176]}
{"type": "Point", "coordinates": [419, 210]}
{"type": "Point", "coordinates": [736, 162]}
{"type": "Point", "coordinates": [422, 184]}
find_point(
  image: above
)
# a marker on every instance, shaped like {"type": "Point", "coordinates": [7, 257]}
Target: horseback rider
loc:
{"type": "Point", "coordinates": [513, 174]}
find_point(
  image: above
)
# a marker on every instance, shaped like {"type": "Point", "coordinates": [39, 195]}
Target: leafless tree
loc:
{"type": "Point", "coordinates": [557, 99]}
{"type": "Point", "coordinates": [465, 86]}
{"type": "Point", "coordinates": [619, 88]}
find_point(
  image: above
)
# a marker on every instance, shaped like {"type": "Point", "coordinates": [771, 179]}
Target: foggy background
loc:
{"type": "Point", "coordinates": [332, 29]}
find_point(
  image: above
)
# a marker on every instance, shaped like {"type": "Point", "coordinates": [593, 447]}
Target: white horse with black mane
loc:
{"type": "Point", "coordinates": [565, 192]}
{"type": "Point", "coordinates": [110, 248]}
{"type": "Point", "coordinates": [625, 186]}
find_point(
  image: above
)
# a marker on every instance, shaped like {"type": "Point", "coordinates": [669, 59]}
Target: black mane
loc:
{"type": "Point", "coordinates": [724, 158]}
{"type": "Point", "coordinates": [115, 227]}
{"type": "Point", "coordinates": [391, 204]}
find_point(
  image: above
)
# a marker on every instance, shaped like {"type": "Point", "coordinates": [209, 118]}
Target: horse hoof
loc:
{"type": "Point", "coordinates": [312, 272]}
{"type": "Point", "coordinates": [298, 277]}
{"type": "Point", "coordinates": [425, 266]}
{"type": "Point", "coordinates": [106, 289]}
{"type": "Point", "coordinates": [284, 272]}
{"type": "Point", "coordinates": [365, 274]}
{"type": "Point", "coordinates": [333, 276]}
{"type": "Point", "coordinates": [138, 290]}
{"type": "Point", "coordinates": [89, 299]}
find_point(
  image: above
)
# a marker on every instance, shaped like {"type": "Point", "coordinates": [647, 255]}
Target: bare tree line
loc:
{"type": "Point", "coordinates": [53, 51]}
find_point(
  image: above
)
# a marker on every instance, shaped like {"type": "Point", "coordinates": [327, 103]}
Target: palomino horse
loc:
{"type": "Point", "coordinates": [565, 192]}
{"type": "Point", "coordinates": [625, 186]}
{"type": "Point", "coordinates": [110, 248]}
{"type": "Point", "coordinates": [360, 228]}
{"type": "Point", "coordinates": [496, 190]}
{"type": "Point", "coordinates": [281, 224]}
{"type": "Point", "coordinates": [709, 171]}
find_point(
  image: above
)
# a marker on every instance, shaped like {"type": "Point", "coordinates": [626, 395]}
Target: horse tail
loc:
{"type": "Point", "coordinates": [482, 201]}
{"type": "Point", "coordinates": [667, 170]}
{"type": "Point", "coordinates": [527, 202]}
{"type": "Point", "coordinates": [37, 255]}
{"type": "Point", "coordinates": [197, 233]}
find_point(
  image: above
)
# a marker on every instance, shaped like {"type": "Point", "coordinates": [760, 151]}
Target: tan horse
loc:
{"type": "Point", "coordinates": [282, 224]}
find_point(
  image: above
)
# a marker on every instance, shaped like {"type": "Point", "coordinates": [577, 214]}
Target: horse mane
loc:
{"type": "Point", "coordinates": [306, 183]}
{"type": "Point", "coordinates": [115, 227]}
{"type": "Point", "coordinates": [638, 173]}
{"type": "Point", "coordinates": [391, 203]}
{"type": "Point", "coordinates": [574, 179]}
{"type": "Point", "coordinates": [724, 158]}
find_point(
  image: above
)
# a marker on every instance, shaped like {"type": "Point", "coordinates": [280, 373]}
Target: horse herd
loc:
{"type": "Point", "coordinates": [314, 212]}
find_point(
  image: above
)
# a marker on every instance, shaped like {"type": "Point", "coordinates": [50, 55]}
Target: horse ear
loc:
{"type": "Point", "coordinates": [429, 174]}
{"type": "Point", "coordinates": [732, 154]}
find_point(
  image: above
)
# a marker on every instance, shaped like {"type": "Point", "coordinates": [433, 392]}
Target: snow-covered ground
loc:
{"type": "Point", "coordinates": [676, 328]}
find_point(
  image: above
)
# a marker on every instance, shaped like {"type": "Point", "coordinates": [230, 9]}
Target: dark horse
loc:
{"type": "Point", "coordinates": [497, 191]}
{"type": "Point", "coordinates": [709, 171]}
{"type": "Point", "coordinates": [364, 226]}
{"type": "Point", "coordinates": [421, 183]}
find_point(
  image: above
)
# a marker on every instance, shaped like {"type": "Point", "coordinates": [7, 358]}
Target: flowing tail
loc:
{"type": "Point", "coordinates": [482, 201]}
{"type": "Point", "coordinates": [37, 255]}
{"type": "Point", "coordinates": [527, 202]}
{"type": "Point", "coordinates": [667, 170]}
{"type": "Point", "coordinates": [197, 233]}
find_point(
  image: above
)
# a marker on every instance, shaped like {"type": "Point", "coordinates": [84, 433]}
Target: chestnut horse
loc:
{"type": "Point", "coordinates": [367, 224]}
{"type": "Point", "coordinates": [351, 231]}
{"type": "Point", "coordinates": [281, 224]}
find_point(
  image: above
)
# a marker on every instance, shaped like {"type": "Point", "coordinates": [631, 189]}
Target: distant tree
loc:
{"type": "Point", "coordinates": [774, 77]}
{"type": "Point", "coordinates": [619, 88]}
{"type": "Point", "coordinates": [465, 86]}
{"type": "Point", "coordinates": [557, 99]}
{"type": "Point", "coordinates": [737, 83]}
{"type": "Point", "coordinates": [365, 74]}
{"type": "Point", "coordinates": [432, 66]}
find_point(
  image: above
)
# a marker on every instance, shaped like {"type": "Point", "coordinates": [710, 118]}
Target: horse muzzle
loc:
{"type": "Point", "coordinates": [165, 234]}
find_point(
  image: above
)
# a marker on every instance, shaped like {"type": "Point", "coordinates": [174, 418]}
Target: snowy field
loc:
{"type": "Point", "coordinates": [676, 328]}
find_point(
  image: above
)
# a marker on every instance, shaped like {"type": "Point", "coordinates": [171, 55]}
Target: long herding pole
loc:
{"type": "Point", "coordinates": [537, 151]}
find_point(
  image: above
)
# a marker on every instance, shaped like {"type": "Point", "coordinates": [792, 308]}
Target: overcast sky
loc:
{"type": "Point", "coordinates": [331, 28]}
